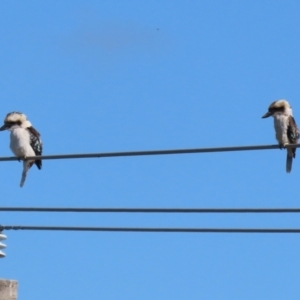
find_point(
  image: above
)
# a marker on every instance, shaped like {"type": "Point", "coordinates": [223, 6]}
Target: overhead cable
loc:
{"type": "Point", "coordinates": [150, 152]}
{"type": "Point", "coordinates": [149, 210]}
{"type": "Point", "coordinates": [153, 229]}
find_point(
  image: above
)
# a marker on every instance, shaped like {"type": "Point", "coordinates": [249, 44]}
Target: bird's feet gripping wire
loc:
{"type": "Point", "coordinates": [283, 146]}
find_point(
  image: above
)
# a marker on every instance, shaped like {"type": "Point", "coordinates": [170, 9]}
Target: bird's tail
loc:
{"type": "Point", "coordinates": [26, 166]}
{"type": "Point", "coordinates": [291, 153]}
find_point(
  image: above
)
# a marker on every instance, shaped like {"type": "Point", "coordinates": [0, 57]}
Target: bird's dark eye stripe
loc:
{"type": "Point", "coordinates": [13, 123]}
{"type": "Point", "coordinates": [277, 109]}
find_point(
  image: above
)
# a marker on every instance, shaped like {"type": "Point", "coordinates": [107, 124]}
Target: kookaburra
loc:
{"type": "Point", "coordinates": [25, 141]}
{"type": "Point", "coordinates": [286, 128]}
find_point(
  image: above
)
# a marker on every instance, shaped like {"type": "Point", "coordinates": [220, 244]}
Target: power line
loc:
{"type": "Point", "coordinates": [151, 152]}
{"type": "Point", "coordinates": [155, 229]}
{"type": "Point", "coordinates": [150, 210]}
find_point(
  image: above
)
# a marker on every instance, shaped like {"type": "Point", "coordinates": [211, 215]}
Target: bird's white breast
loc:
{"type": "Point", "coordinates": [20, 142]}
{"type": "Point", "coordinates": [281, 126]}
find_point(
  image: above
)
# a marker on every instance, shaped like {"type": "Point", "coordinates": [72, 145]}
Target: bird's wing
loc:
{"type": "Point", "coordinates": [292, 131]}
{"type": "Point", "coordinates": [35, 141]}
{"type": "Point", "coordinates": [36, 144]}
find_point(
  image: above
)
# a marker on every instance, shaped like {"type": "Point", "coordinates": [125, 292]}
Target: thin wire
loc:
{"type": "Point", "coordinates": [151, 152]}
{"type": "Point", "coordinates": [150, 210]}
{"type": "Point", "coordinates": [165, 230]}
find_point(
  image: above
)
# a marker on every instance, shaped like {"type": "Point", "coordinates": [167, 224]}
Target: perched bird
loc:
{"type": "Point", "coordinates": [24, 140]}
{"type": "Point", "coordinates": [286, 128]}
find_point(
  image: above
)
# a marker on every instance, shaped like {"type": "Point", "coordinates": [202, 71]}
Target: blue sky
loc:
{"type": "Point", "coordinates": [99, 76]}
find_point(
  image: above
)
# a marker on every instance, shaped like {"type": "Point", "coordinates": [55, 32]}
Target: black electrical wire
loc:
{"type": "Point", "coordinates": [155, 229]}
{"type": "Point", "coordinates": [149, 210]}
{"type": "Point", "coordinates": [151, 152]}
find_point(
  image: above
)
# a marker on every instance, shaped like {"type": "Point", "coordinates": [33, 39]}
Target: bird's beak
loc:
{"type": "Point", "coordinates": [3, 127]}
{"type": "Point", "coordinates": [267, 115]}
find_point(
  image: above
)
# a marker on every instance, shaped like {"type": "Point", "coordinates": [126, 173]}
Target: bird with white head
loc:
{"type": "Point", "coordinates": [25, 141]}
